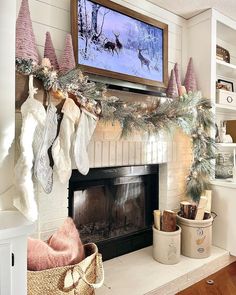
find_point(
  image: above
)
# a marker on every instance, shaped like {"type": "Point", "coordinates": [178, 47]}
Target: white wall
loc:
{"type": "Point", "coordinates": [224, 204]}
{"type": "Point", "coordinates": [52, 16]}
{"type": "Point", "coordinates": [7, 99]}
{"type": "Point", "coordinates": [202, 30]}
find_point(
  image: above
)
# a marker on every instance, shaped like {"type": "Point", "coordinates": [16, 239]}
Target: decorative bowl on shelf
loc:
{"type": "Point", "coordinates": [222, 54]}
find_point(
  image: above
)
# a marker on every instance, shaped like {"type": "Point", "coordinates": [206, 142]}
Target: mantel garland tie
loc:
{"type": "Point", "coordinates": [190, 112]}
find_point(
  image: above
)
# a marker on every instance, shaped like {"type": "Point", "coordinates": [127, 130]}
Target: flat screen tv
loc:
{"type": "Point", "coordinates": [113, 41]}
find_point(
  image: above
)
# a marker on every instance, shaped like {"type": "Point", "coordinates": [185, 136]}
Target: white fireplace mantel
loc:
{"type": "Point", "coordinates": [107, 149]}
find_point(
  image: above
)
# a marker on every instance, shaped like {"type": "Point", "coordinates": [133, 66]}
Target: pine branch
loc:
{"type": "Point", "coordinates": [191, 113]}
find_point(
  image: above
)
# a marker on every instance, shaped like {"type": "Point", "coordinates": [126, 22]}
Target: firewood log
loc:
{"type": "Point", "coordinates": [185, 209]}
{"type": "Point", "coordinates": [169, 221]}
{"type": "Point", "coordinates": [157, 219]}
{"type": "Point", "coordinates": [201, 208]}
{"type": "Point", "coordinates": [207, 215]}
{"type": "Point", "coordinates": [208, 194]}
{"type": "Point", "coordinates": [193, 211]}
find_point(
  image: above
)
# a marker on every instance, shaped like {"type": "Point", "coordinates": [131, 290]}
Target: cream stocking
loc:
{"type": "Point", "coordinates": [33, 120]}
{"type": "Point", "coordinates": [62, 145]}
{"type": "Point", "coordinates": [84, 132]}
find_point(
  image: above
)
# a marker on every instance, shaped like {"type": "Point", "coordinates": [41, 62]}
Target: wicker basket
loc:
{"type": "Point", "coordinates": [81, 278]}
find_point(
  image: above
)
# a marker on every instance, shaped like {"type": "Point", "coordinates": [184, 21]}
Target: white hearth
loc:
{"type": "Point", "coordinates": [138, 273]}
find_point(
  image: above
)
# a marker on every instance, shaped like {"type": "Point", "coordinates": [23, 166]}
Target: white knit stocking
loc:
{"type": "Point", "coordinates": [33, 120]}
{"type": "Point", "coordinates": [62, 145]}
{"type": "Point", "coordinates": [24, 200]}
{"type": "Point", "coordinates": [42, 168]}
{"type": "Point", "coordinates": [84, 132]}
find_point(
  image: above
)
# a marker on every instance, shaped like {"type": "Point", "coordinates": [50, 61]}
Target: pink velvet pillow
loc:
{"type": "Point", "coordinates": [63, 248]}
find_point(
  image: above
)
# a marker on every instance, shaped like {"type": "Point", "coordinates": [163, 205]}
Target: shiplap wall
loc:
{"type": "Point", "coordinates": [232, 49]}
{"type": "Point", "coordinates": [7, 94]}
{"type": "Point", "coordinates": [54, 16]}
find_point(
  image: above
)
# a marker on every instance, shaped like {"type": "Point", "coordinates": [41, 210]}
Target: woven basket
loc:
{"type": "Point", "coordinates": [81, 278]}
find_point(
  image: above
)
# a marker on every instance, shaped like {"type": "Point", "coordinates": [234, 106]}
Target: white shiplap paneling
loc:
{"type": "Point", "coordinates": [7, 91]}
{"type": "Point", "coordinates": [62, 4]}
{"type": "Point", "coordinates": [58, 36]}
{"type": "Point", "coordinates": [51, 16]}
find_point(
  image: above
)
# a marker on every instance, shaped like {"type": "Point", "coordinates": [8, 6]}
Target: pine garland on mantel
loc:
{"type": "Point", "coordinates": [189, 112]}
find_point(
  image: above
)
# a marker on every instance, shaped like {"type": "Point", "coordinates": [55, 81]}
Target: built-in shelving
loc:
{"type": "Point", "coordinates": [229, 145]}
{"type": "Point", "coordinates": [225, 69]}
{"type": "Point", "coordinates": [225, 37]}
{"type": "Point", "coordinates": [225, 112]}
{"type": "Point", "coordinates": [224, 182]}
{"type": "Point", "coordinates": [226, 33]}
{"type": "Point", "coordinates": [225, 108]}
{"type": "Point", "coordinates": [212, 28]}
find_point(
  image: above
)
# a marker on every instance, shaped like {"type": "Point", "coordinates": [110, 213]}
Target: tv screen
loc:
{"type": "Point", "coordinates": [116, 42]}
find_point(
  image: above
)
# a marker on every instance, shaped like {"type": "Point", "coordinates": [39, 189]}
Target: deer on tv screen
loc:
{"type": "Point", "coordinates": [112, 41]}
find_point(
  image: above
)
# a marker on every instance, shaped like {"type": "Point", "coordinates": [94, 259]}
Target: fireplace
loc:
{"type": "Point", "coordinates": [113, 207]}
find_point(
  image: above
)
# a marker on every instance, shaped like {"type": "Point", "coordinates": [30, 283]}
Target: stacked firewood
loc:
{"type": "Point", "coordinates": [199, 211]}
{"type": "Point", "coordinates": [165, 220]}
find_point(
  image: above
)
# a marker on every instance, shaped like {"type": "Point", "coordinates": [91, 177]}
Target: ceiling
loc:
{"type": "Point", "coordinates": [189, 8]}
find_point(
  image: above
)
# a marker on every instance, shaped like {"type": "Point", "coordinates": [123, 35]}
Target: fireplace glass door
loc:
{"type": "Point", "coordinates": [112, 205]}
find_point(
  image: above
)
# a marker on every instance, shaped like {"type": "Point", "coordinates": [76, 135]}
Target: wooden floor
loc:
{"type": "Point", "coordinates": [224, 283]}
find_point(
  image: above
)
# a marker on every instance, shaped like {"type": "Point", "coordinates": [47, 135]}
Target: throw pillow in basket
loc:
{"type": "Point", "coordinates": [63, 248]}
{"type": "Point", "coordinates": [81, 278]}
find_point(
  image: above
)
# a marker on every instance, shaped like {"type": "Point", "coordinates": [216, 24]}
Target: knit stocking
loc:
{"type": "Point", "coordinates": [24, 200]}
{"type": "Point", "coordinates": [87, 125]}
{"type": "Point", "coordinates": [62, 145]}
{"type": "Point", "coordinates": [33, 120]}
{"type": "Point", "coordinates": [42, 168]}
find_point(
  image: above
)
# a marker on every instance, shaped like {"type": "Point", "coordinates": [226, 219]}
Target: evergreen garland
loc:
{"type": "Point", "coordinates": [189, 112]}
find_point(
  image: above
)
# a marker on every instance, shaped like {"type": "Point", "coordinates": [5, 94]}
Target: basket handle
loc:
{"type": "Point", "coordinates": [214, 215]}
{"type": "Point", "coordinates": [99, 272]}
{"type": "Point", "coordinates": [73, 275]}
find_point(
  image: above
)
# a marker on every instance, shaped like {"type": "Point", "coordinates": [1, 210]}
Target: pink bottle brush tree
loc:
{"type": "Point", "coordinates": [172, 89]}
{"type": "Point", "coordinates": [177, 76]}
{"type": "Point", "coordinates": [67, 62]}
{"type": "Point", "coordinates": [190, 81]}
{"type": "Point", "coordinates": [49, 52]}
{"type": "Point", "coordinates": [25, 40]}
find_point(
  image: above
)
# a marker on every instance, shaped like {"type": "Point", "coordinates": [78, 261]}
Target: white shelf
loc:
{"type": "Point", "coordinates": [224, 182]}
{"type": "Point", "coordinates": [226, 33]}
{"type": "Point", "coordinates": [225, 69]}
{"type": "Point", "coordinates": [226, 109]}
{"type": "Point", "coordinates": [230, 145]}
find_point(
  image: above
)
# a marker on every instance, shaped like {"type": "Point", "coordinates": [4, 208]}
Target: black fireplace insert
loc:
{"type": "Point", "coordinates": [113, 207]}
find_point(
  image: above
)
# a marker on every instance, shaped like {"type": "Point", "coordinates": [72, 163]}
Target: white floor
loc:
{"type": "Point", "coordinates": [137, 273]}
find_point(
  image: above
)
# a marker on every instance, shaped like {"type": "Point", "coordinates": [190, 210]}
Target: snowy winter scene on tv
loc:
{"type": "Point", "coordinates": [115, 42]}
